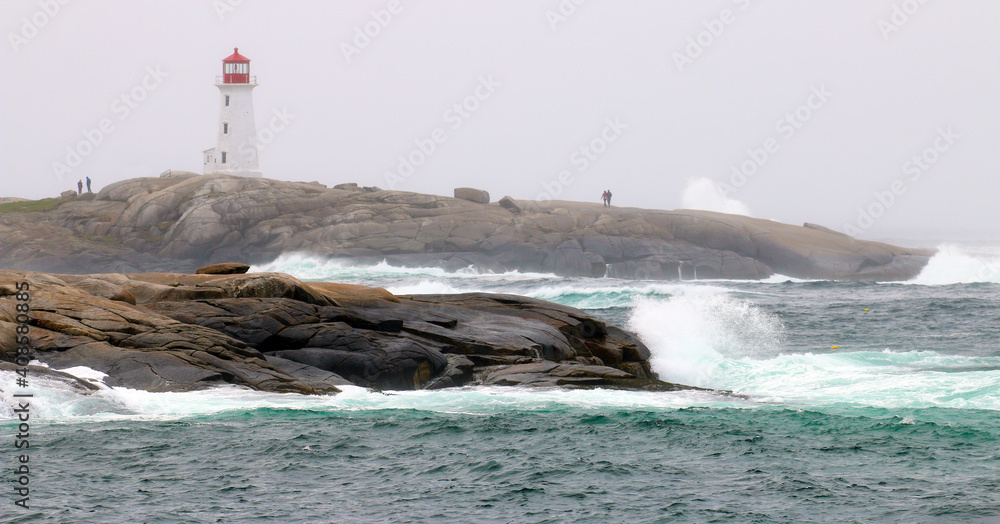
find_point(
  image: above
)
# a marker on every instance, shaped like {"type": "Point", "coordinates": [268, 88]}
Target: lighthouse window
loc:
{"type": "Point", "coordinates": [227, 100]}
{"type": "Point", "coordinates": [223, 157]}
{"type": "Point", "coordinates": [225, 128]}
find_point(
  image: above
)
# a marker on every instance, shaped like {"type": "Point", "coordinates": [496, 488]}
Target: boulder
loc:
{"type": "Point", "coordinates": [478, 196]}
{"type": "Point", "coordinates": [68, 194]}
{"type": "Point", "coordinates": [225, 268]}
{"type": "Point", "coordinates": [511, 205]}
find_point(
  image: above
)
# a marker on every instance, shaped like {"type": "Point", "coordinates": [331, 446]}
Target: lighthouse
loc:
{"type": "Point", "coordinates": [235, 152]}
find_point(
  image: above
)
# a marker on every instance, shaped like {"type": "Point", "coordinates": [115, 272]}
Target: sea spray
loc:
{"type": "Point", "coordinates": [954, 264]}
{"type": "Point", "coordinates": [59, 402]}
{"type": "Point", "coordinates": [708, 338]}
{"type": "Point", "coordinates": [693, 332]}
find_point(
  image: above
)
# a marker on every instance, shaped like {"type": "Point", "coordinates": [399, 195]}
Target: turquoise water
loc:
{"type": "Point", "coordinates": [858, 403]}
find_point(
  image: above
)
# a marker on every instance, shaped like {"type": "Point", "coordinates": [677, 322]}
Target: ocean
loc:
{"type": "Point", "coordinates": [848, 402]}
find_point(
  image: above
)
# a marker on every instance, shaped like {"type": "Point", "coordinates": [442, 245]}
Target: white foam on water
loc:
{"type": "Point", "coordinates": [691, 332]}
{"type": "Point", "coordinates": [709, 339]}
{"type": "Point", "coordinates": [81, 372]}
{"type": "Point", "coordinates": [913, 379]}
{"type": "Point", "coordinates": [430, 287]}
{"type": "Point", "coordinates": [310, 267]}
{"type": "Point", "coordinates": [57, 402]}
{"type": "Point", "coordinates": [954, 264]}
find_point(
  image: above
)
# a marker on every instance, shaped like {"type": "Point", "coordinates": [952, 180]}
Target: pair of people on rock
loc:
{"type": "Point", "coordinates": [606, 198]}
{"type": "Point", "coordinates": [79, 186]}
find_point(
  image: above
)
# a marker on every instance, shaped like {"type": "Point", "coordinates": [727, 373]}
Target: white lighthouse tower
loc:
{"type": "Point", "coordinates": [236, 149]}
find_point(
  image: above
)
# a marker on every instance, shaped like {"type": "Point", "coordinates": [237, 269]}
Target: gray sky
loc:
{"type": "Point", "coordinates": [655, 110]}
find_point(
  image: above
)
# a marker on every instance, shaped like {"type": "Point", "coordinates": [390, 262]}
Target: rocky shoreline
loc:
{"type": "Point", "coordinates": [272, 332]}
{"type": "Point", "coordinates": [181, 221]}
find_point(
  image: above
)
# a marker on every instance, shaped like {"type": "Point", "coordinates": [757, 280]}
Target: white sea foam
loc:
{"type": "Point", "coordinates": [955, 264]}
{"type": "Point", "coordinates": [57, 402]}
{"type": "Point", "coordinates": [310, 267]}
{"type": "Point", "coordinates": [699, 327]}
{"type": "Point", "coordinates": [713, 340]}
{"type": "Point", "coordinates": [704, 193]}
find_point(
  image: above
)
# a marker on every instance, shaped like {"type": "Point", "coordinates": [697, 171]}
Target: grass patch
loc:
{"type": "Point", "coordinates": [33, 206]}
{"type": "Point", "coordinates": [106, 240]}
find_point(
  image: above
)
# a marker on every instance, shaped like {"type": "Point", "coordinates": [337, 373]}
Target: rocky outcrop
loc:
{"type": "Point", "coordinates": [472, 195]}
{"type": "Point", "coordinates": [272, 332]}
{"type": "Point", "coordinates": [183, 221]}
{"type": "Point", "coordinates": [225, 268]}
{"type": "Point", "coordinates": [510, 204]}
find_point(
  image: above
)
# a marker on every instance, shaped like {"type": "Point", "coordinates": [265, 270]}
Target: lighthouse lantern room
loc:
{"type": "Point", "coordinates": [236, 149]}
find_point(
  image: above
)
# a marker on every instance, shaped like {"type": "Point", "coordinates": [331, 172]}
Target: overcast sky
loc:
{"type": "Point", "coordinates": [822, 104]}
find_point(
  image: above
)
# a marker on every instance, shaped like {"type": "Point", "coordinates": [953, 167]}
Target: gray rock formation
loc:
{"type": "Point", "coordinates": [224, 268]}
{"type": "Point", "coordinates": [271, 332]}
{"type": "Point", "coordinates": [183, 221]}
{"type": "Point", "coordinates": [472, 195]}
{"type": "Point", "coordinates": [510, 204]}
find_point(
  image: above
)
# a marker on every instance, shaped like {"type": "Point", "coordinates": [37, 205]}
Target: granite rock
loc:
{"type": "Point", "coordinates": [185, 221]}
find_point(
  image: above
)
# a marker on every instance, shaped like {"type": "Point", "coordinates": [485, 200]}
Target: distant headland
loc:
{"type": "Point", "coordinates": [180, 220]}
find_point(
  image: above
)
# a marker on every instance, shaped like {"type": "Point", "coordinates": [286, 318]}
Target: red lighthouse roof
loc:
{"type": "Point", "coordinates": [236, 69]}
{"type": "Point", "coordinates": [236, 56]}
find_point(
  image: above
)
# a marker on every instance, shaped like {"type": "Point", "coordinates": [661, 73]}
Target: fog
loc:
{"type": "Point", "coordinates": [878, 118]}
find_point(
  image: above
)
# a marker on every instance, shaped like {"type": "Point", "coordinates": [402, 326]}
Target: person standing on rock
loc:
{"type": "Point", "coordinates": [79, 187]}
{"type": "Point", "coordinates": [604, 198]}
{"type": "Point", "coordinates": [608, 192]}
{"type": "Point", "coordinates": [88, 185]}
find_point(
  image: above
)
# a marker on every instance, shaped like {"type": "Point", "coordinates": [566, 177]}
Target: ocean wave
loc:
{"type": "Point", "coordinates": [57, 402]}
{"type": "Point", "coordinates": [954, 264]}
{"type": "Point", "coordinates": [700, 326]}
{"type": "Point", "coordinates": [310, 267]}
{"type": "Point", "coordinates": [720, 342]}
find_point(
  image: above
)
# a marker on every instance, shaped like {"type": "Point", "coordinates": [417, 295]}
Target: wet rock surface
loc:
{"type": "Point", "coordinates": [272, 332]}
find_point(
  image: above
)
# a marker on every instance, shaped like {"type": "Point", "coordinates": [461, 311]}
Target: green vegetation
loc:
{"type": "Point", "coordinates": [106, 240]}
{"type": "Point", "coordinates": [31, 206]}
